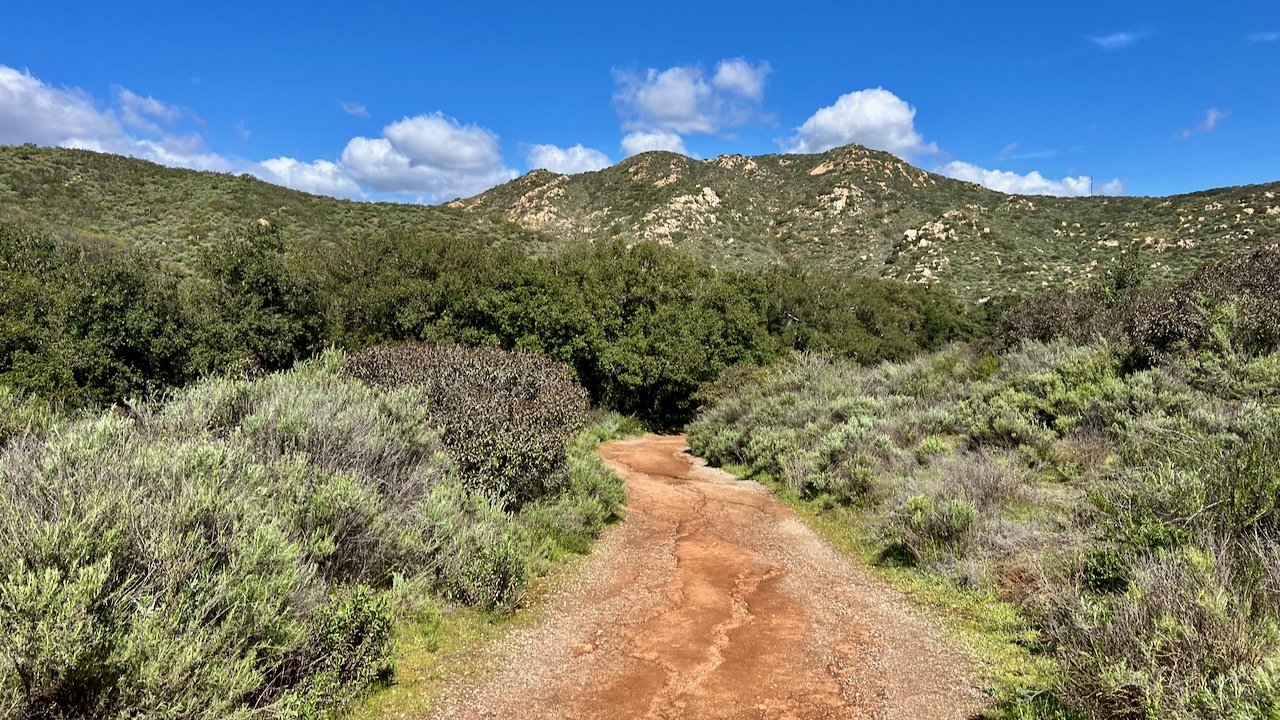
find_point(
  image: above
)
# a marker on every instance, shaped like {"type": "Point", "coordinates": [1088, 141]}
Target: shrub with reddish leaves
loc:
{"type": "Point", "coordinates": [507, 416]}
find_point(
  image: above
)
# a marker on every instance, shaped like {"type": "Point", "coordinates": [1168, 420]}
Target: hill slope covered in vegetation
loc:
{"type": "Point", "coordinates": [849, 208]}
{"type": "Point", "coordinates": [114, 200]}
{"type": "Point", "coordinates": [1105, 466]}
{"type": "Point", "coordinates": [868, 211]}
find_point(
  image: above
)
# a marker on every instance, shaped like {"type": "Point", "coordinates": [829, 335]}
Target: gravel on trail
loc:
{"type": "Point", "coordinates": [712, 600]}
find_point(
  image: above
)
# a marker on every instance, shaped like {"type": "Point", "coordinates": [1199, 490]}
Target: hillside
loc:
{"type": "Point", "coordinates": [849, 208]}
{"type": "Point", "coordinates": [171, 211]}
{"type": "Point", "coordinates": [868, 211]}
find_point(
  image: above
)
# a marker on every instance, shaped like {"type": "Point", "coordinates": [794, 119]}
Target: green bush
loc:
{"type": "Point", "coordinates": [937, 520]}
{"type": "Point", "coordinates": [1149, 491]}
{"type": "Point", "coordinates": [930, 446]}
{"type": "Point", "coordinates": [142, 573]}
{"type": "Point", "coordinates": [643, 327]}
{"type": "Point", "coordinates": [1213, 326]}
{"type": "Point", "coordinates": [223, 554]}
{"type": "Point", "coordinates": [22, 414]}
{"type": "Point", "coordinates": [345, 649]}
{"type": "Point", "coordinates": [592, 498]}
{"type": "Point", "coordinates": [1195, 635]}
{"type": "Point", "coordinates": [507, 417]}
{"type": "Point", "coordinates": [1218, 485]}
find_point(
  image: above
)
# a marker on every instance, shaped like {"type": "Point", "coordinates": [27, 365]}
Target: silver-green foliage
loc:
{"type": "Point", "coordinates": [222, 554]}
{"type": "Point", "coordinates": [1132, 512]}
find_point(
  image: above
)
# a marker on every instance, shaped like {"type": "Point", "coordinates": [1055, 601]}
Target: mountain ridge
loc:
{"type": "Point", "coordinates": [171, 212]}
{"type": "Point", "coordinates": [849, 208]}
{"type": "Point", "coordinates": [870, 212]}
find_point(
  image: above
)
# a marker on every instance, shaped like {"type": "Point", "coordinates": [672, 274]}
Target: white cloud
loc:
{"type": "Point", "coordinates": [429, 156]}
{"type": "Point", "coordinates": [320, 177]}
{"type": "Point", "coordinates": [356, 109]}
{"type": "Point", "coordinates": [31, 111]}
{"type": "Point", "coordinates": [440, 142]}
{"type": "Point", "coordinates": [1034, 155]}
{"type": "Point", "coordinates": [875, 118]}
{"type": "Point", "coordinates": [1264, 37]}
{"type": "Point", "coordinates": [1008, 150]}
{"type": "Point", "coordinates": [187, 151]}
{"type": "Point", "coordinates": [641, 141]}
{"type": "Point", "coordinates": [1118, 40]}
{"type": "Point", "coordinates": [576, 159]}
{"type": "Point", "coordinates": [681, 100]}
{"type": "Point", "coordinates": [140, 113]}
{"type": "Point", "coordinates": [1033, 183]}
{"type": "Point", "coordinates": [741, 78]}
{"type": "Point", "coordinates": [1212, 118]}
{"type": "Point", "coordinates": [676, 99]}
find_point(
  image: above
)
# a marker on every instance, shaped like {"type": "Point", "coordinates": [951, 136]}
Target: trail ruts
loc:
{"type": "Point", "coordinates": [713, 601]}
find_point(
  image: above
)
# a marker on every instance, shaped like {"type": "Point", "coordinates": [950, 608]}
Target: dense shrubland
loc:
{"type": "Point", "coordinates": [642, 328]}
{"type": "Point", "coordinates": [108, 200]}
{"type": "Point", "coordinates": [1217, 326]}
{"type": "Point", "coordinates": [1106, 460]}
{"type": "Point", "coordinates": [849, 208]}
{"type": "Point", "coordinates": [232, 550]}
{"type": "Point", "coordinates": [206, 510]}
{"type": "Point", "coordinates": [1108, 464]}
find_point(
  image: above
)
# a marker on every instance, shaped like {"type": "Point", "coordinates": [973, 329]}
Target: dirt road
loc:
{"type": "Point", "coordinates": [713, 601]}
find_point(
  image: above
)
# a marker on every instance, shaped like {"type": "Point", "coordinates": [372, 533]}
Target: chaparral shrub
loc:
{"type": "Point", "coordinates": [507, 417]}
{"type": "Point", "coordinates": [225, 553]}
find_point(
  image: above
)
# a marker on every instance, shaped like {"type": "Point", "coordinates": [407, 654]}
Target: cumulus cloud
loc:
{"type": "Point", "coordinates": [320, 177]}
{"type": "Point", "coordinates": [642, 141]}
{"type": "Point", "coordinates": [741, 78]}
{"type": "Point", "coordinates": [187, 151]}
{"type": "Point", "coordinates": [875, 118]}
{"type": "Point", "coordinates": [356, 109]}
{"type": "Point", "coordinates": [426, 157]}
{"type": "Point", "coordinates": [1118, 40]}
{"type": "Point", "coordinates": [576, 159]}
{"type": "Point", "coordinates": [676, 99]}
{"type": "Point", "coordinates": [681, 99]}
{"type": "Point", "coordinates": [32, 111]}
{"type": "Point", "coordinates": [1033, 183]}
{"type": "Point", "coordinates": [441, 142]}
{"type": "Point", "coordinates": [1212, 118]}
{"type": "Point", "coordinates": [431, 156]}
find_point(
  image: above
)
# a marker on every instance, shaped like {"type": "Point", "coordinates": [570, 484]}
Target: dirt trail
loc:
{"type": "Point", "coordinates": [713, 601]}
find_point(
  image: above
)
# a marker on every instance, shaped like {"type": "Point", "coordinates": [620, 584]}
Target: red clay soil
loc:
{"type": "Point", "coordinates": [713, 601]}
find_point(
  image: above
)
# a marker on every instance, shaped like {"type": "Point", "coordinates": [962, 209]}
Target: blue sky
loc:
{"type": "Point", "coordinates": [426, 102]}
